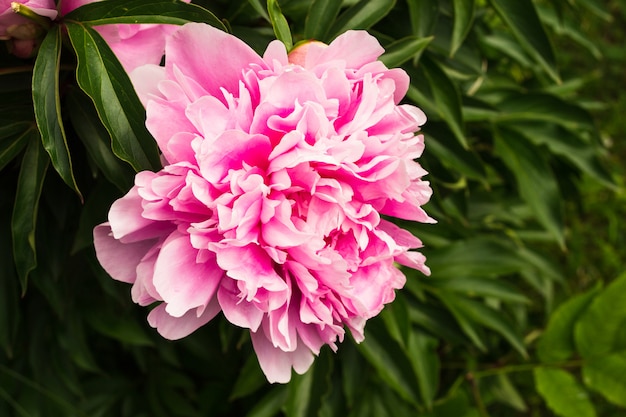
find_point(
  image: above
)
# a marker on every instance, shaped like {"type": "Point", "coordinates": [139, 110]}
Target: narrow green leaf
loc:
{"type": "Point", "coordinates": [424, 15]}
{"type": "Point", "coordinates": [102, 77]}
{"type": "Point", "coordinates": [567, 144]}
{"type": "Point", "coordinates": [535, 180]}
{"type": "Point", "coordinates": [97, 140]}
{"type": "Point", "coordinates": [141, 11]}
{"type": "Point", "coordinates": [422, 352]}
{"type": "Point", "coordinates": [446, 96]}
{"type": "Point", "coordinates": [279, 23]}
{"type": "Point", "coordinates": [12, 145]}
{"type": "Point", "coordinates": [396, 318]}
{"type": "Point", "coordinates": [118, 327]}
{"type": "Point", "coordinates": [47, 106]}
{"type": "Point", "coordinates": [504, 391]}
{"type": "Point", "coordinates": [480, 313]}
{"type": "Point", "coordinates": [469, 327]}
{"type": "Point", "coordinates": [442, 144]}
{"type": "Point", "coordinates": [601, 328]}
{"type": "Point", "coordinates": [605, 374]}
{"type": "Point", "coordinates": [361, 15]}
{"type": "Point", "coordinates": [250, 379]}
{"type": "Point", "coordinates": [259, 7]}
{"type": "Point", "coordinates": [322, 14]}
{"type": "Point", "coordinates": [437, 321]}
{"type": "Point", "coordinates": [481, 287]}
{"type": "Point", "coordinates": [563, 394]}
{"type": "Point", "coordinates": [402, 50]}
{"type": "Point", "coordinates": [557, 342]}
{"type": "Point", "coordinates": [389, 361]}
{"type": "Point", "coordinates": [522, 19]}
{"type": "Point", "coordinates": [271, 403]}
{"type": "Point", "coordinates": [463, 19]}
{"type": "Point", "coordinates": [506, 45]}
{"type": "Point", "coordinates": [598, 8]}
{"type": "Point", "coordinates": [10, 310]}
{"type": "Point", "coordinates": [24, 219]}
{"type": "Point", "coordinates": [544, 107]}
{"type": "Point", "coordinates": [467, 258]}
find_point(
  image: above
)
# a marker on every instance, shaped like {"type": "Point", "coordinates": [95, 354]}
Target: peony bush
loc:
{"type": "Point", "coordinates": [260, 182]}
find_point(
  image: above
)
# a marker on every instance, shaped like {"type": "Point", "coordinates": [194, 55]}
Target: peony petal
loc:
{"type": "Point", "coordinates": [118, 259]}
{"type": "Point", "coordinates": [174, 328]}
{"type": "Point", "coordinates": [211, 57]}
{"type": "Point", "coordinates": [183, 283]}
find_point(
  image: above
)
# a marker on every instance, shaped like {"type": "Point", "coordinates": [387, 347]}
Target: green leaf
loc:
{"type": "Point", "coordinates": [505, 44]}
{"type": "Point", "coordinates": [441, 143]}
{"type": "Point", "coordinates": [258, 6]}
{"type": "Point", "coordinates": [596, 7]}
{"type": "Point", "coordinates": [97, 140]}
{"type": "Point", "coordinates": [308, 392]}
{"type": "Point", "coordinates": [522, 19]}
{"type": "Point", "coordinates": [47, 106]}
{"type": "Point", "coordinates": [11, 144]}
{"type": "Point", "coordinates": [605, 374]}
{"type": "Point", "coordinates": [503, 391]}
{"type": "Point", "coordinates": [389, 361]}
{"type": "Point", "coordinates": [118, 327]}
{"type": "Point", "coordinates": [250, 379]}
{"type": "Point", "coordinates": [538, 107]}
{"type": "Point", "coordinates": [141, 11]}
{"type": "Point", "coordinates": [424, 15]}
{"type": "Point", "coordinates": [321, 15]}
{"type": "Point", "coordinates": [568, 145]}
{"type": "Point", "coordinates": [482, 287]}
{"type": "Point", "coordinates": [468, 326]}
{"type": "Point", "coordinates": [466, 258]}
{"type": "Point", "coordinates": [24, 219]}
{"type": "Point", "coordinates": [563, 393]}
{"type": "Point", "coordinates": [271, 403]}
{"type": "Point", "coordinates": [10, 310]}
{"type": "Point", "coordinates": [102, 77]}
{"type": "Point", "coordinates": [402, 50]}
{"type": "Point", "coordinates": [446, 97]}
{"type": "Point", "coordinates": [557, 342]}
{"type": "Point", "coordinates": [422, 352]}
{"type": "Point", "coordinates": [396, 318]}
{"type": "Point", "coordinates": [361, 15]}
{"type": "Point", "coordinates": [478, 312]}
{"type": "Point", "coordinates": [279, 23]}
{"type": "Point", "coordinates": [463, 19]}
{"type": "Point", "coordinates": [535, 180]}
{"type": "Point", "coordinates": [601, 328]}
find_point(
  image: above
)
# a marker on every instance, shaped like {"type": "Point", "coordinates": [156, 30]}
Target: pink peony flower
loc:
{"type": "Point", "coordinates": [133, 44]}
{"type": "Point", "coordinates": [277, 172]}
{"type": "Point", "coordinates": [24, 35]}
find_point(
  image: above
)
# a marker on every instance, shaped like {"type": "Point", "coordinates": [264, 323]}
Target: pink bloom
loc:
{"type": "Point", "coordinates": [133, 44]}
{"type": "Point", "coordinates": [268, 209]}
{"type": "Point", "coordinates": [22, 33]}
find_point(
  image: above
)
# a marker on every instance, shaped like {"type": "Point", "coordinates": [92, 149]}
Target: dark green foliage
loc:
{"type": "Point", "coordinates": [495, 331]}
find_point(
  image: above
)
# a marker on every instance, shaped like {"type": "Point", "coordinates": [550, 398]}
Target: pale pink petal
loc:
{"type": "Point", "coordinates": [118, 259]}
{"type": "Point", "coordinates": [174, 328]}
{"type": "Point", "coordinates": [183, 283]}
{"type": "Point", "coordinates": [213, 58]}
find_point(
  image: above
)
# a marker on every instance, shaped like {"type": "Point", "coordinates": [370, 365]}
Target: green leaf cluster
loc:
{"type": "Point", "coordinates": [508, 140]}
